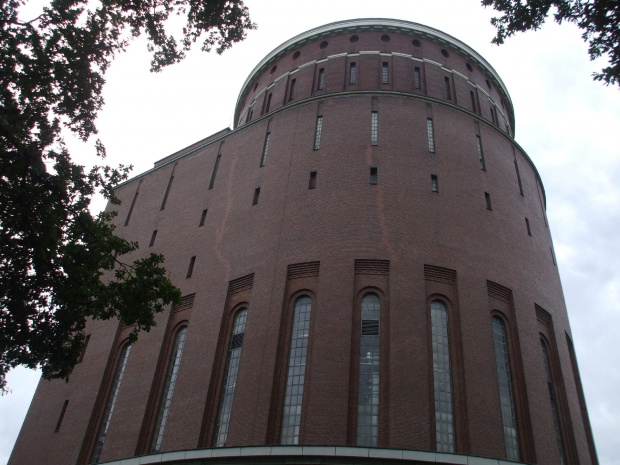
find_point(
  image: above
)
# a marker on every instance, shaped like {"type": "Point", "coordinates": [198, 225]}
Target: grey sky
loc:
{"type": "Point", "coordinates": [568, 124]}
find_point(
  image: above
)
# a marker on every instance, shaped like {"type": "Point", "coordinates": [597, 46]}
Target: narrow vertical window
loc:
{"type": "Point", "coordinates": [502, 362]}
{"type": "Point", "coordinates": [385, 73]}
{"type": "Point", "coordinates": [321, 82]}
{"type": "Point", "coordinates": [446, 81]}
{"type": "Point", "coordinates": [473, 101]}
{"type": "Point", "coordinates": [417, 81]}
{"type": "Point", "coordinates": [553, 401]}
{"type": "Point", "coordinates": [163, 203]}
{"type": "Point", "coordinates": [374, 128]}
{"type": "Point", "coordinates": [373, 175]}
{"type": "Point", "coordinates": [291, 92]}
{"type": "Point", "coordinates": [352, 73]}
{"type": "Point", "coordinates": [487, 198]}
{"type": "Point", "coordinates": [527, 224]}
{"type": "Point", "coordinates": [190, 268]}
{"type": "Point", "coordinates": [434, 183]}
{"type": "Point", "coordinates": [295, 376]}
{"type": "Point", "coordinates": [171, 379]}
{"type": "Point", "coordinates": [368, 397]}
{"type": "Point", "coordinates": [492, 115]}
{"type": "Point", "coordinates": [268, 104]}
{"type": "Point", "coordinates": [203, 216]}
{"type": "Point", "coordinates": [61, 416]}
{"type": "Point", "coordinates": [247, 118]}
{"type": "Point", "coordinates": [431, 135]}
{"type": "Point", "coordinates": [312, 183]}
{"type": "Point", "coordinates": [133, 203]}
{"type": "Point", "coordinates": [552, 255]}
{"type": "Point", "coordinates": [263, 158]}
{"type": "Point", "coordinates": [518, 177]}
{"type": "Point", "coordinates": [317, 132]}
{"type": "Point", "coordinates": [442, 378]}
{"type": "Point", "coordinates": [230, 379]}
{"type": "Point", "coordinates": [111, 402]}
{"type": "Point", "coordinates": [256, 194]}
{"type": "Point", "coordinates": [153, 236]}
{"type": "Point", "coordinates": [86, 341]}
{"type": "Point", "coordinates": [215, 167]}
{"type": "Point", "coordinates": [483, 165]}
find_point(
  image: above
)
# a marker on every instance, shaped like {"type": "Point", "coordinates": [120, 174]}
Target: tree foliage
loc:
{"type": "Point", "coordinates": [53, 251]}
{"type": "Point", "coordinates": [599, 19]}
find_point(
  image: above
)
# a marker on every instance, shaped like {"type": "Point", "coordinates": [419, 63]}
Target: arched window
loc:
{"type": "Point", "coordinates": [504, 380]}
{"type": "Point", "coordinates": [171, 379]}
{"type": "Point", "coordinates": [368, 397]}
{"type": "Point", "coordinates": [553, 400]}
{"type": "Point", "coordinates": [112, 396]}
{"type": "Point", "coordinates": [230, 379]}
{"type": "Point", "coordinates": [442, 379]}
{"type": "Point", "coordinates": [291, 415]}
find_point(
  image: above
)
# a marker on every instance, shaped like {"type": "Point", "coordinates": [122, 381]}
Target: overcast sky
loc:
{"type": "Point", "coordinates": [568, 124]}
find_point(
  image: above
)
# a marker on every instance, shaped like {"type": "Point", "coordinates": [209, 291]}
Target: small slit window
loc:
{"type": "Point", "coordinates": [385, 73]}
{"type": "Point", "coordinates": [374, 128]}
{"type": "Point", "coordinates": [473, 101]}
{"type": "Point", "coordinates": [203, 216]}
{"type": "Point", "coordinates": [317, 132]}
{"type": "Point", "coordinates": [434, 183]}
{"type": "Point", "coordinates": [263, 158]}
{"type": "Point", "coordinates": [487, 198]}
{"type": "Point", "coordinates": [312, 182]}
{"type": "Point", "coordinates": [153, 236]}
{"type": "Point", "coordinates": [373, 175]}
{"type": "Point", "coordinates": [291, 92]}
{"type": "Point", "coordinates": [431, 135]}
{"type": "Point", "coordinates": [190, 268]}
{"type": "Point", "coordinates": [61, 416]}
{"type": "Point", "coordinates": [446, 81]}
{"type": "Point", "coordinates": [321, 82]}
{"type": "Point", "coordinates": [268, 106]}
{"type": "Point", "coordinates": [527, 225]}
{"type": "Point", "coordinates": [214, 174]}
{"type": "Point", "coordinates": [86, 341]}
{"type": "Point", "coordinates": [483, 165]}
{"type": "Point", "coordinates": [417, 81]}
{"type": "Point", "coordinates": [352, 73]}
{"type": "Point", "coordinates": [256, 194]}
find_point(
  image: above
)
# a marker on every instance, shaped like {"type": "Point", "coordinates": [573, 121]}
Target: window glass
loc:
{"type": "Point", "coordinates": [230, 379]}
{"type": "Point", "coordinates": [171, 379]}
{"type": "Point", "coordinates": [442, 383]}
{"type": "Point", "coordinates": [504, 379]}
{"type": "Point", "coordinates": [291, 415]}
{"type": "Point", "coordinates": [368, 397]}
{"type": "Point", "coordinates": [111, 403]}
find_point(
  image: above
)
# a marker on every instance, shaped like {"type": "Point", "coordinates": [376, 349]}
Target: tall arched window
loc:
{"type": "Point", "coordinates": [230, 379]}
{"type": "Point", "coordinates": [502, 361]}
{"type": "Point", "coordinates": [442, 378]}
{"type": "Point", "coordinates": [291, 415]}
{"type": "Point", "coordinates": [110, 404]}
{"type": "Point", "coordinates": [171, 379]}
{"type": "Point", "coordinates": [553, 400]}
{"type": "Point", "coordinates": [368, 397]}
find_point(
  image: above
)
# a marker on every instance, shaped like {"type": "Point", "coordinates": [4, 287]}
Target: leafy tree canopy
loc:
{"type": "Point", "coordinates": [53, 251]}
{"type": "Point", "coordinates": [599, 19]}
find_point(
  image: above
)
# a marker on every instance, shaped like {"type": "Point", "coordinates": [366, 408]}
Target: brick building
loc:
{"type": "Point", "coordinates": [367, 271]}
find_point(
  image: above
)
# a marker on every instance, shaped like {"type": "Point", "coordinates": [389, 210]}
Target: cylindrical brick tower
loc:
{"type": "Point", "coordinates": [367, 271]}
